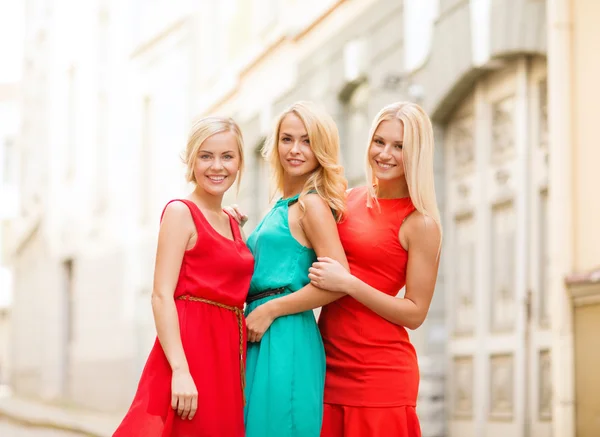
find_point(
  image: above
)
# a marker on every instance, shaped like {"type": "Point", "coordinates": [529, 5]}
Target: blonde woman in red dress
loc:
{"type": "Point", "coordinates": [392, 239]}
{"type": "Point", "coordinates": [193, 382]}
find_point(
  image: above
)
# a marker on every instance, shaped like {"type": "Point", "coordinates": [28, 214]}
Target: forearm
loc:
{"type": "Point", "coordinates": [403, 312]}
{"type": "Point", "coordinates": [307, 298]}
{"type": "Point", "coordinates": [167, 328]}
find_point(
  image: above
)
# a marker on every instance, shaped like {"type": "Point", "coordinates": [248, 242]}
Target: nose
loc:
{"type": "Point", "coordinates": [295, 148]}
{"type": "Point", "coordinates": [217, 164]}
{"type": "Point", "coordinates": [386, 152]}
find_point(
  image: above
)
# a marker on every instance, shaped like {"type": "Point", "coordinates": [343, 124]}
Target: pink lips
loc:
{"type": "Point", "coordinates": [295, 162]}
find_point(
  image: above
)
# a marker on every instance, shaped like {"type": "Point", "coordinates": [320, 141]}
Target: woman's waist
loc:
{"type": "Point", "coordinates": [212, 297]}
{"type": "Point", "coordinates": [258, 297]}
{"type": "Point", "coordinates": [377, 390]}
{"type": "Point", "coordinates": [348, 318]}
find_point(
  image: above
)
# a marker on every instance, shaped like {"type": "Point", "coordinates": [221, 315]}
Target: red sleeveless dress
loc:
{"type": "Point", "coordinates": [219, 270]}
{"type": "Point", "coordinates": [372, 378]}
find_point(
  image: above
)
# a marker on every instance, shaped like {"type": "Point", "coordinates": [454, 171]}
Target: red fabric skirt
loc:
{"type": "Point", "coordinates": [211, 342]}
{"type": "Point", "coordinates": [345, 421]}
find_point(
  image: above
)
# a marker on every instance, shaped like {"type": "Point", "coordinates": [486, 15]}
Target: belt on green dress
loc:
{"type": "Point", "coordinates": [271, 292]}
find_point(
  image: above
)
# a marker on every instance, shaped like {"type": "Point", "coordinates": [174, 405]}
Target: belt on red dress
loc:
{"type": "Point", "coordinates": [271, 292]}
{"type": "Point", "coordinates": [239, 314]}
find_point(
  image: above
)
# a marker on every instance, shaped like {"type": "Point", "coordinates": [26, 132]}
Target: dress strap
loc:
{"type": "Point", "coordinates": [235, 227]}
{"type": "Point", "coordinates": [197, 216]}
{"type": "Point", "coordinates": [293, 200]}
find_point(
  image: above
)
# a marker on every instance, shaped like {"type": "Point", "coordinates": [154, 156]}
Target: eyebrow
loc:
{"type": "Point", "coordinates": [290, 135]}
{"type": "Point", "coordinates": [211, 153]}
{"type": "Point", "coordinates": [381, 138]}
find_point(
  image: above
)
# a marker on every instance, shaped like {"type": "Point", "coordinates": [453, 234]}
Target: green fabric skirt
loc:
{"type": "Point", "coordinates": [285, 378]}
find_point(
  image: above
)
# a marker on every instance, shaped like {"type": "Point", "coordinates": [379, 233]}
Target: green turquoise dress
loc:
{"type": "Point", "coordinates": [285, 371]}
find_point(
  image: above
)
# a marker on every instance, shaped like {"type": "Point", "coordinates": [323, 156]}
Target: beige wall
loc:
{"type": "Point", "coordinates": [587, 377]}
{"type": "Point", "coordinates": [586, 210]}
{"type": "Point", "coordinates": [586, 102]}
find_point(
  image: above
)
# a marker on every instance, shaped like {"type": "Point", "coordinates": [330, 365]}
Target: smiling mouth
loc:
{"type": "Point", "coordinates": [384, 166]}
{"type": "Point", "coordinates": [295, 161]}
{"type": "Point", "coordinates": [216, 179]}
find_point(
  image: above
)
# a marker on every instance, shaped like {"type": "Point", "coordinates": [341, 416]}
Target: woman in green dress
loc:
{"type": "Point", "coordinates": [285, 370]}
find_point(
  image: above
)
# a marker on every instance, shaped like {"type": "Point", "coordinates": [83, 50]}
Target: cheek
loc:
{"type": "Point", "coordinates": [200, 166]}
{"type": "Point", "coordinates": [309, 154]}
{"type": "Point", "coordinates": [399, 158]}
{"type": "Point", "coordinates": [233, 166]}
{"type": "Point", "coordinates": [371, 153]}
{"type": "Point", "coordinates": [282, 149]}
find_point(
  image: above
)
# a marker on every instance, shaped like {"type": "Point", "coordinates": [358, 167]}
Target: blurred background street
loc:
{"type": "Point", "coordinates": [12, 429]}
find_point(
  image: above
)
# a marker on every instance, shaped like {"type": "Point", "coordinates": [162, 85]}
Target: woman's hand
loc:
{"type": "Point", "coordinates": [328, 274]}
{"type": "Point", "coordinates": [184, 395]}
{"type": "Point", "coordinates": [258, 321]}
{"type": "Point", "coordinates": [237, 214]}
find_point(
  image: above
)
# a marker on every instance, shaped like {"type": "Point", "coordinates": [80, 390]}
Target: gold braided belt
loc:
{"type": "Point", "coordinates": [239, 314]}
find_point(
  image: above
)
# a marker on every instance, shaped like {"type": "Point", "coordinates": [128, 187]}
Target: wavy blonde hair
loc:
{"type": "Point", "coordinates": [417, 156]}
{"type": "Point", "coordinates": [201, 130]}
{"type": "Point", "coordinates": [327, 180]}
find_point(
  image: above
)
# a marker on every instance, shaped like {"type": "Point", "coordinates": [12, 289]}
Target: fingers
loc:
{"type": "Point", "coordinates": [237, 214]}
{"type": "Point", "coordinates": [187, 406]}
{"type": "Point", "coordinates": [180, 405]}
{"type": "Point", "coordinates": [194, 407]}
{"type": "Point", "coordinates": [325, 259]}
{"type": "Point", "coordinates": [242, 217]}
{"type": "Point", "coordinates": [254, 335]}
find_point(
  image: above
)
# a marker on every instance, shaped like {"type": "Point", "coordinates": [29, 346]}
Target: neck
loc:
{"type": "Point", "coordinates": [393, 189]}
{"type": "Point", "coordinates": [208, 201]}
{"type": "Point", "coordinates": [293, 186]}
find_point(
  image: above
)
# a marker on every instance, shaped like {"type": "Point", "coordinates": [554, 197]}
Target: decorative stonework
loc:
{"type": "Point", "coordinates": [463, 145]}
{"type": "Point", "coordinates": [465, 276]}
{"type": "Point", "coordinates": [463, 387]}
{"type": "Point", "coordinates": [543, 112]}
{"type": "Point", "coordinates": [543, 261]}
{"type": "Point", "coordinates": [545, 386]}
{"type": "Point", "coordinates": [503, 267]}
{"type": "Point", "coordinates": [503, 135]}
{"type": "Point", "coordinates": [501, 387]}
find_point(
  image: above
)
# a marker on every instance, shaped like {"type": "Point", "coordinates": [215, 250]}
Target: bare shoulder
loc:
{"type": "Point", "coordinates": [177, 214]}
{"type": "Point", "coordinates": [315, 206]}
{"type": "Point", "coordinates": [422, 230]}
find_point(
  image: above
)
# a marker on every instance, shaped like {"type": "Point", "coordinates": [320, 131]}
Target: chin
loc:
{"type": "Point", "coordinates": [297, 172]}
{"type": "Point", "coordinates": [385, 176]}
{"type": "Point", "coordinates": [216, 191]}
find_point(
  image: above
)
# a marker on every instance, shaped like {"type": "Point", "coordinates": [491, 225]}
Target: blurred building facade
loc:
{"type": "Point", "coordinates": [109, 92]}
{"type": "Point", "coordinates": [9, 129]}
{"type": "Point", "coordinates": [11, 26]}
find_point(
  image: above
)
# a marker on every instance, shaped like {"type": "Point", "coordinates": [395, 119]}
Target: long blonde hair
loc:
{"type": "Point", "coordinates": [417, 156]}
{"type": "Point", "coordinates": [201, 130]}
{"type": "Point", "coordinates": [327, 180]}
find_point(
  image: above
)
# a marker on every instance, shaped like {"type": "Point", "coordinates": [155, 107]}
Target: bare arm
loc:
{"type": "Point", "coordinates": [320, 228]}
{"type": "Point", "coordinates": [422, 238]}
{"type": "Point", "coordinates": [176, 230]}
